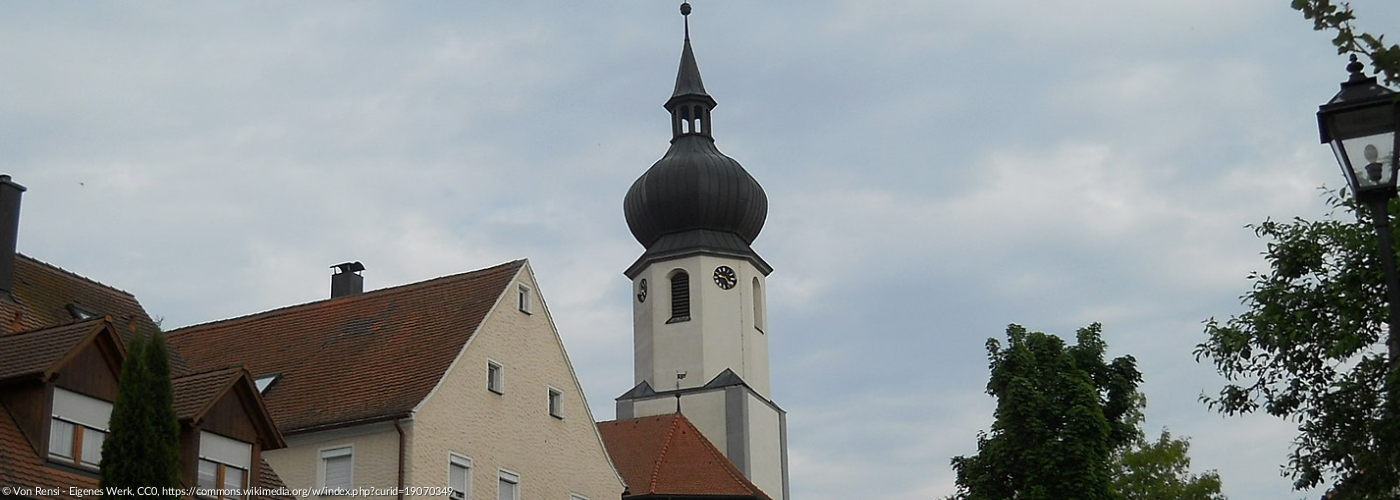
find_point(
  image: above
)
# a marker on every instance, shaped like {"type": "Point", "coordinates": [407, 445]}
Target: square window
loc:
{"type": "Point", "coordinates": [338, 467]}
{"type": "Point", "coordinates": [524, 300]}
{"type": "Point", "coordinates": [556, 403]}
{"type": "Point", "coordinates": [459, 476]}
{"type": "Point", "coordinates": [507, 485]}
{"type": "Point", "coordinates": [233, 481]}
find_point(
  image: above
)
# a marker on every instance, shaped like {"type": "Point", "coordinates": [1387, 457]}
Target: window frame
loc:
{"type": "Point", "coordinates": [82, 414]}
{"type": "Point", "coordinates": [495, 376]}
{"type": "Point", "coordinates": [507, 476]}
{"type": "Point", "coordinates": [555, 403]}
{"type": "Point", "coordinates": [455, 459]}
{"type": "Point", "coordinates": [524, 299]}
{"type": "Point", "coordinates": [331, 452]}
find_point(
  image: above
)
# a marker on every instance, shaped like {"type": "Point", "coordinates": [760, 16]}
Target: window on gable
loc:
{"type": "Point", "coordinates": [459, 476]}
{"type": "Point", "coordinates": [556, 403]}
{"type": "Point", "coordinates": [337, 468]}
{"type": "Point", "coordinates": [223, 464]}
{"type": "Point", "coordinates": [77, 429]}
{"type": "Point", "coordinates": [507, 485]}
{"type": "Point", "coordinates": [495, 377]}
{"type": "Point", "coordinates": [524, 300]}
{"type": "Point", "coordinates": [680, 297]}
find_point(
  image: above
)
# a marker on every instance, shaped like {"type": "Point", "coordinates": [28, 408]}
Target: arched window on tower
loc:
{"type": "Point", "coordinates": [760, 320]}
{"type": "Point", "coordinates": [680, 297]}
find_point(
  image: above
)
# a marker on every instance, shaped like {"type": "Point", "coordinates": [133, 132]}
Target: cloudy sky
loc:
{"type": "Point", "coordinates": [935, 171]}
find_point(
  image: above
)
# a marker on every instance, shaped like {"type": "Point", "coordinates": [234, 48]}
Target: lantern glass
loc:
{"type": "Point", "coordinates": [1364, 141]}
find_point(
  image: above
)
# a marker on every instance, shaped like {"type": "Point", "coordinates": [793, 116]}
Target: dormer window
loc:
{"type": "Point", "coordinates": [223, 464]}
{"type": "Point", "coordinates": [77, 429]}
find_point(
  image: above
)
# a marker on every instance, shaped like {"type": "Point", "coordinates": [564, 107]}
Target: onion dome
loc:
{"type": "Point", "coordinates": [694, 199]}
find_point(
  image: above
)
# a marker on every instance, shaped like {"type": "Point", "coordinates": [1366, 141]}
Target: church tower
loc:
{"type": "Point", "coordinates": [700, 330]}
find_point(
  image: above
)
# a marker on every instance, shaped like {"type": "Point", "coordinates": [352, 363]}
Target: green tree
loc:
{"type": "Point", "coordinates": [1160, 469]}
{"type": "Point", "coordinates": [143, 446]}
{"type": "Point", "coordinates": [1327, 15]}
{"type": "Point", "coordinates": [1061, 411]}
{"type": "Point", "coordinates": [1311, 347]}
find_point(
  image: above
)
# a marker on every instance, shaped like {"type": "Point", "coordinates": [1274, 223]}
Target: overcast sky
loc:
{"type": "Point", "coordinates": [935, 170]}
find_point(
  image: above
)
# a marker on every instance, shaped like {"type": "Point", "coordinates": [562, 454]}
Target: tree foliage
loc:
{"type": "Point", "coordinates": [1310, 347]}
{"type": "Point", "coordinates": [1061, 411]}
{"type": "Point", "coordinates": [143, 445]}
{"type": "Point", "coordinates": [1160, 469]}
{"type": "Point", "coordinates": [1328, 15]}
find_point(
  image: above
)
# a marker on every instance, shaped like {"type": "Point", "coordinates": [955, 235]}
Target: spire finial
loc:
{"type": "Point", "coordinates": [685, 12]}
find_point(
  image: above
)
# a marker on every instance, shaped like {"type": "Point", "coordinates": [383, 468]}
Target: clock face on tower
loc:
{"type": "Point", "coordinates": [724, 277]}
{"type": "Point", "coordinates": [642, 290]}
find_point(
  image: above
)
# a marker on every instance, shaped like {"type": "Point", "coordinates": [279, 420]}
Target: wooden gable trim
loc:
{"type": "Point", "coordinates": [247, 393]}
{"type": "Point", "coordinates": [114, 352]}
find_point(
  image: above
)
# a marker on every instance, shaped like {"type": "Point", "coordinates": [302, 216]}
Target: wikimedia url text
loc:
{"type": "Point", "coordinates": [74, 491]}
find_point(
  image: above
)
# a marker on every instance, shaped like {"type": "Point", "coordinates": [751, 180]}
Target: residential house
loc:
{"type": "Point", "coordinates": [456, 385]}
{"type": "Point", "coordinates": [62, 345]}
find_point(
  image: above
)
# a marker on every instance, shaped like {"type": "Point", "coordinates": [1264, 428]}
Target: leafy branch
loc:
{"type": "Point", "coordinates": [1329, 16]}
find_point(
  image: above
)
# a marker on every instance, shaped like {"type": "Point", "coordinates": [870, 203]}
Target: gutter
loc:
{"type": "Point", "coordinates": [402, 447]}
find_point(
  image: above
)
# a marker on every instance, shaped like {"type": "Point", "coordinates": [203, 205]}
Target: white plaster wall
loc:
{"type": "Point", "coordinates": [705, 410]}
{"type": "Point", "coordinates": [765, 447]}
{"type": "Point", "coordinates": [720, 334]}
{"type": "Point", "coordinates": [374, 462]}
{"type": "Point", "coordinates": [554, 457]}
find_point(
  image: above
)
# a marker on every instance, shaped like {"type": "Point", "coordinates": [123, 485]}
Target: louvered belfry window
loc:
{"type": "Point", "coordinates": [680, 297]}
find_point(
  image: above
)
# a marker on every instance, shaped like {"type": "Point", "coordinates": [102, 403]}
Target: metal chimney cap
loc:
{"type": "Point", "coordinates": [350, 267]}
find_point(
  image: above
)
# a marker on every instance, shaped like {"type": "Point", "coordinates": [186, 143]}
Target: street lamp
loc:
{"type": "Point", "coordinates": [1360, 124]}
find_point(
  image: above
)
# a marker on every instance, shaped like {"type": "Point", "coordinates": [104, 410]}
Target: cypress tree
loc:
{"type": "Point", "coordinates": [142, 448]}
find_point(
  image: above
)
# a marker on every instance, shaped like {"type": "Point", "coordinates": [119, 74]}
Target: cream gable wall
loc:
{"type": "Point", "coordinates": [513, 431]}
{"type": "Point", "coordinates": [374, 463]}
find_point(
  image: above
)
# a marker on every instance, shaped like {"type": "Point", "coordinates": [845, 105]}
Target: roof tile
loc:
{"type": "Point", "coordinates": [667, 455]}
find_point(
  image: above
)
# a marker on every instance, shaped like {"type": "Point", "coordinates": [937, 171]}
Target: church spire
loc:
{"type": "Point", "coordinates": [689, 105]}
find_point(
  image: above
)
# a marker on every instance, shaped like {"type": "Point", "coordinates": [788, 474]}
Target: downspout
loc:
{"type": "Point", "coordinates": [402, 446]}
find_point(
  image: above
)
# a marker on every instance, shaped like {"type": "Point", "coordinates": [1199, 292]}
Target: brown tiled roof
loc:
{"type": "Point", "coordinates": [44, 293]}
{"type": "Point", "coordinates": [667, 455]}
{"type": "Point", "coordinates": [21, 465]}
{"type": "Point", "coordinates": [353, 358]}
{"type": "Point", "coordinates": [38, 352]}
{"type": "Point", "coordinates": [196, 393]}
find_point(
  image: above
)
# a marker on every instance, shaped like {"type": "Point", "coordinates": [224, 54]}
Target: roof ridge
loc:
{"type": "Point", "coordinates": [417, 285]}
{"type": "Point", "coordinates": [75, 322]}
{"type": "Point", "coordinates": [76, 275]}
{"type": "Point", "coordinates": [665, 447]}
{"type": "Point", "coordinates": [725, 464]}
{"type": "Point", "coordinates": [211, 371]}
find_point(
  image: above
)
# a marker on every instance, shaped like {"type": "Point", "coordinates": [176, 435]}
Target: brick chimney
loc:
{"type": "Point", "coordinates": [9, 233]}
{"type": "Point", "coordinates": [347, 279]}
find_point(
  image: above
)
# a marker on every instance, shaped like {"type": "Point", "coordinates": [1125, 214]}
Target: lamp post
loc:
{"type": "Point", "coordinates": [1360, 124]}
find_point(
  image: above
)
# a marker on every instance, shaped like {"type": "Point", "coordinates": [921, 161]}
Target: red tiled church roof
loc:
{"type": "Point", "coordinates": [666, 455]}
{"type": "Point", "coordinates": [354, 358]}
